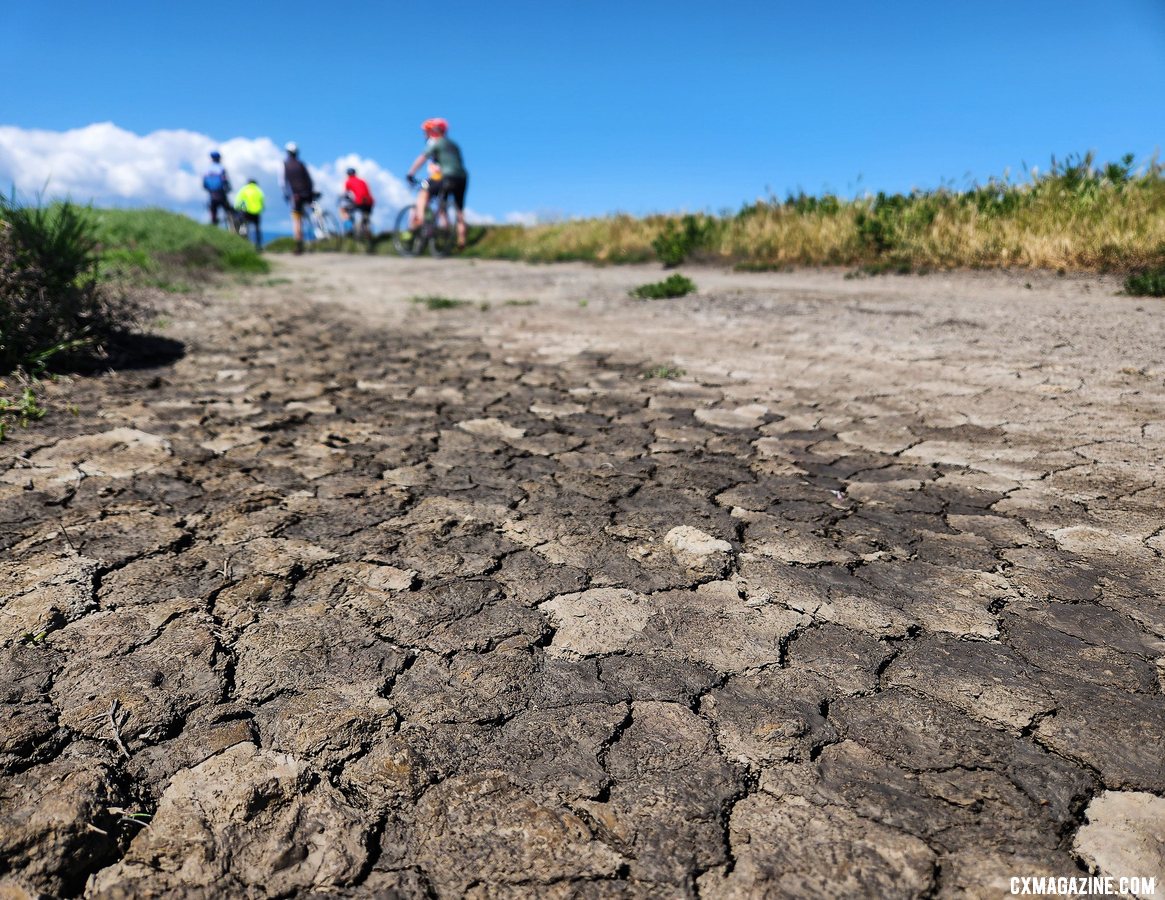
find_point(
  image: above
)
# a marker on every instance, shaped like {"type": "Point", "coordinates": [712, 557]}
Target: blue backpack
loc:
{"type": "Point", "coordinates": [215, 181]}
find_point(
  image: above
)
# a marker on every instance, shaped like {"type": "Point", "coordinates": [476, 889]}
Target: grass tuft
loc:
{"type": "Point", "coordinates": [663, 371]}
{"type": "Point", "coordinates": [53, 302]}
{"type": "Point", "coordinates": [675, 285]}
{"type": "Point", "coordinates": [1146, 284]}
{"type": "Point", "coordinates": [435, 302]}
{"type": "Point", "coordinates": [20, 409]}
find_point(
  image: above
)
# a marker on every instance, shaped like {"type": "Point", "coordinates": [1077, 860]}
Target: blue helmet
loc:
{"type": "Point", "coordinates": [215, 155]}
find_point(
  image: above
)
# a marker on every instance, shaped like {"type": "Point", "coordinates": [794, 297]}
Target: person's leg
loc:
{"type": "Point", "coordinates": [459, 200]}
{"type": "Point", "coordinates": [214, 210]}
{"type": "Point", "coordinates": [418, 215]}
{"type": "Point", "coordinates": [297, 223]}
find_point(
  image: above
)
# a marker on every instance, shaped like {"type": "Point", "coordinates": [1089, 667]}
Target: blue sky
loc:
{"type": "Point", "coordinates": [579, 108]}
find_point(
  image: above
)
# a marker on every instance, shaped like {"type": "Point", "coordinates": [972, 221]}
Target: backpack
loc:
{"type": "Point", "coordinates": [214, 182]}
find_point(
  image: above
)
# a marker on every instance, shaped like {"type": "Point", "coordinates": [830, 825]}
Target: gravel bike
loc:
{"type": "Point", "coordinates": [234, 221]}
{"type": "Point", "coordinates": [323, 222]}
{"type": "Point", "coordinates": [361, 220]}
{"type": "Point", "coordinates": [438, 231]}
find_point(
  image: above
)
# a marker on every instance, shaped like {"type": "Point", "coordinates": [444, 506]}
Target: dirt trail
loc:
{"type": "Point", "coordinates": [358, 598]}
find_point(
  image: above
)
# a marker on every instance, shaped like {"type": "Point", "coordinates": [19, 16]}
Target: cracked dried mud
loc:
{"type": "Point", "coordinates": [363, 599]}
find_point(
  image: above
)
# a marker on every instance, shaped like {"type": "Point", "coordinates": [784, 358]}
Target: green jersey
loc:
{"type": "Point", "coordinates": [447, 155]}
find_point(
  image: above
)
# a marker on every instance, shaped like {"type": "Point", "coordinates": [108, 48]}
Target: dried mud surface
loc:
{"type": "Point", "coordinates": [362, 599]}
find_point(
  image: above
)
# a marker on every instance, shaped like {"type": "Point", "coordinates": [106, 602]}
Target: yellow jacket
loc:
{"type": "Point", "coordinates": [250, 199]}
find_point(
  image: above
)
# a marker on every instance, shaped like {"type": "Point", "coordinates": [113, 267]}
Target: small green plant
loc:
{"type": "Point", "coordinates": [673, 286]}
{"type": "Point", "coordinates": [583, 304]}
{"type": "Point", "coordinates": [1150, 283]}
{"type": "Point", "coordinates": [663, 372]}
{"type": "Point", "coordinates": [436, 302]}
{"type": "Point", "coordinates": [677, 240]}
{"type": "Point", "coordinates": [520, 302]}
{"type": "Point", "coordinates": [22, 410]}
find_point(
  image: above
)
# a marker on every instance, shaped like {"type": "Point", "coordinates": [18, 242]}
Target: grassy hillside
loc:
{"type": "Point", "coordinates": [166, 249]}
{"type": "Point", "coordinates": [1076, 216]}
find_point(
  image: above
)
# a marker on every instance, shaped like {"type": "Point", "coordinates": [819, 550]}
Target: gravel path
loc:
{"type": "Point", "coordinates": [359, 598]}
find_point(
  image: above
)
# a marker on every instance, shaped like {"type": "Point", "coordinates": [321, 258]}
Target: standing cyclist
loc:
{"type": "Point", "coordinates": [454, 178]}
{"type": "Point", "coordinates": [298, 190]}
{"type": "Point", "coordinates": [217, 185]}
{"type": "Point", "coordinates": [249, 202]}
{"type": "Point", "coordinates": [357, 199]}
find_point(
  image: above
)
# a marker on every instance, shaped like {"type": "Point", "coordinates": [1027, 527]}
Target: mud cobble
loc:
{"type": "Point", "coordinates": [332, 609]}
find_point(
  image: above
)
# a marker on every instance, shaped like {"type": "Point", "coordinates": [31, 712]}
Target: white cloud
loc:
{"type": "Point", "coordinates": [109, 166]}
{"type": "Point", "coordinates": [522, 218]}
{"type": "Point", "coordinates": [106, 165]}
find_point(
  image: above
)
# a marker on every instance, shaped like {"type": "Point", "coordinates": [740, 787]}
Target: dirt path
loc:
{"type": "Point", "coordinates": [359, 598]}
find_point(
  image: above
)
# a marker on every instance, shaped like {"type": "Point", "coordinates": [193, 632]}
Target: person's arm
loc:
{"type": "Point", "coordinates": [420, 161]}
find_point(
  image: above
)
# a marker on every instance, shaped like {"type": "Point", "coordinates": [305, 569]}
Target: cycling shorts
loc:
{"type": "Point", "coordinates": [301, 203]}
{"type": "Point", "coordinates": [451, 186]}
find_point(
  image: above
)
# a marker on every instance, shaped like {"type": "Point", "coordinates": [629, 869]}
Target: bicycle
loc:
{"type": "Point", "coordinates": [322, 222]}
{"type": "Point", "coordinates": [440, 239]}
{"type": "Point", "coordinates": [361, 220]}
{"type": "Point", "coordinates": [234, 221]}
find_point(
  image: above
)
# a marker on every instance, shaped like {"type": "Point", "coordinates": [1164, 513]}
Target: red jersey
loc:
{"type": "Point", "coordinates": [358, 188]}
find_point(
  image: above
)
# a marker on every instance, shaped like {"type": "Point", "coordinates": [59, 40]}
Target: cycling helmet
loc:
{"type": "Point", "coordinates": [435, 127]}
{"type": "Point", "coordinates": [291, 147]}
{"type": "Point", "coordinates": [215, 155]}
{"type": "Point", "coordinates": [351, 171]}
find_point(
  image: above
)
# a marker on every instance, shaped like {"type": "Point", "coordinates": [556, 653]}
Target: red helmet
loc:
{"type": "Point", "coordinates": [435, 127]}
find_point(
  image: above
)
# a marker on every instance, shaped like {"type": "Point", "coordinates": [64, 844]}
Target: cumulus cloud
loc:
{"type": "Point", "coordinates": [110, 166]}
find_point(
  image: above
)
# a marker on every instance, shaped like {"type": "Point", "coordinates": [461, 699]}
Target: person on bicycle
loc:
{"type": "Point", "coordinates": [249, 201]}
{"type": "Point", "coordinates": [217, 185]}
{"type": "Point", "coordinates": [298, 191]}
{"type": "Point", "coordinates": [357, 198]}
{"type": "Point", "coordinates": [454, 177]}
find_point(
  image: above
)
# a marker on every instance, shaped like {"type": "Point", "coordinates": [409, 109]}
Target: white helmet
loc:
{"type": "Point", "coordinates": [291, 147]}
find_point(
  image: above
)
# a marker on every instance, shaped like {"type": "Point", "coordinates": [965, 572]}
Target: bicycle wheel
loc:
{"type": "Point", "coordinates": [405, 240]}
{"type": "Point", "coordinates": [239, 221]}
{"type": "Point", "coordinates": [326, 225]}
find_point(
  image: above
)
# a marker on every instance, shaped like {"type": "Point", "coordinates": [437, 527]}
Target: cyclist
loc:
{"type": "Point", "coordinates": [249, 201]}
{"type": "Point", "coordinates": [454, 178]}
{"type": "Point", "coordinates": [357, 198]}
{"type": "Point", "coordinates": [217, 184]}
{"type": "Point", "coordinates": [298, 191]}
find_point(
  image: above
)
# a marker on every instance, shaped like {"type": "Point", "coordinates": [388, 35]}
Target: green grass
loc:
{"type": "Point", "coordinates": [1146, 284]}
{"type": "Point", "coordinates": [663, 372]}
{"type": "Point", "coordinates": [1076, 215]}
{"type": "Point", "coordinates": [21, 409]}
{"type": "Point", "coordinates": [435, 302]}
{"type": "Point", "coordinates": [53, 302]}
{"type": "Point", "coordinates": [167, 250]}
{"type": "Point", "coordinates": [674, 285]}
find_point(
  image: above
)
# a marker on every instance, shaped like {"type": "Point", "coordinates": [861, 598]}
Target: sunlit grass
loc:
{"type": "Point", "coordinates": [1076, 216]}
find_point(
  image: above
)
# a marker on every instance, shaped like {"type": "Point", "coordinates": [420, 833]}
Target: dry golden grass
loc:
{"type": "Point", "coordinates": [1076, 217]}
